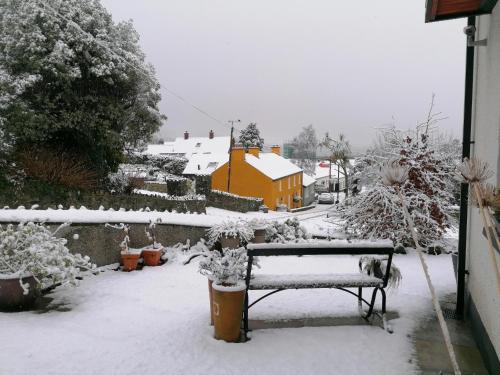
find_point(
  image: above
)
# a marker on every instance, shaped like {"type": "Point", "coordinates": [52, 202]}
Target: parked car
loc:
{"type": "Point", "coordinates": [326, 198]}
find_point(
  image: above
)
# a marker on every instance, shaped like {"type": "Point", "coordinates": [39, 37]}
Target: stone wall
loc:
{"type": "Point", "coordinates": [130, 202]}
{"type": "Point", "coordinates": [101, 243]}
{"type": "Point", "coordinates": [156, 186]}
{"type": "Point", "coordinates": [233, 202]}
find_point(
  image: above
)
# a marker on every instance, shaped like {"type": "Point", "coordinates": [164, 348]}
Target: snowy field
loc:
{"type": "Point", "coordinates": [156, 321]}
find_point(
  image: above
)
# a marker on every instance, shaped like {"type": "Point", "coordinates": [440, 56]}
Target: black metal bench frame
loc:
{"type": "Point", "coordinates": [254, 250]}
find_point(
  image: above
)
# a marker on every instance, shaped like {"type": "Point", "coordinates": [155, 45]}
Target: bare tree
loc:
{"type": "Point", "coordinates": [305, 145]}
{"type": "Point", "coordinates": [340, 150]}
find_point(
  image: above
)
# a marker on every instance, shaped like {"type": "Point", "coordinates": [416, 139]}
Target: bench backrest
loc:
{"type": "Point", "coordinates": [321, 248]}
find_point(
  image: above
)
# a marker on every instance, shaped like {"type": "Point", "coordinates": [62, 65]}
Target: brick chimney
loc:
{"type": "Point", "coordinates": [275, 149]}
{"type": "Point", "coordinates": [186, 135]}
{"type": "Point", "coordinates": [254, 150]}
{"type": "Point", "coordinates": [211, 134]}
{"type": "Point", "coordinates": [237, 153]}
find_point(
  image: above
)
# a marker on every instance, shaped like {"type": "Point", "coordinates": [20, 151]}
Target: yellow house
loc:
{"type": "Point", "coordinates": [261, 175]}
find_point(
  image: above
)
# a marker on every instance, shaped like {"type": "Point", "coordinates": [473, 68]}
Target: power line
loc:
{"type": "Point", "coordinates": [195, 107]}
{"type": "Point", "coordinates": [60, 16]}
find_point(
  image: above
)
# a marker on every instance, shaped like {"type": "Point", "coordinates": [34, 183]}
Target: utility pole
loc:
{"type": "Point", "coordinates": [330, 176]}
{"type": "Point", "coordinates": [230, 156]}
{"type": "Point", "coordinates": [338, 182]}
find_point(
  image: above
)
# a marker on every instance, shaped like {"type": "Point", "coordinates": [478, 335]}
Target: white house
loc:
{"type": "Point", "coordinates": [187, 146]}
{"type": "Point", "coordinates": [477, 291]}
{"type": "Point", "coordinates": [483, 301]}
{"type": "Point", "coordinates": [322, 175]}
{"type": "Point", "coordinates": [307, 189]}
{"type": "Point", "coordinates": [204, 164]}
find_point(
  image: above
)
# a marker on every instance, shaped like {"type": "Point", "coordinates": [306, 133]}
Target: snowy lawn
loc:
{"type": "Point", "coordinates": [156, 321]}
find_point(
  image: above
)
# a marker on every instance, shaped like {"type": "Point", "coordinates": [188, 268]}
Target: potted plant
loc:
{"type": "Point", "coordinates": [152, 255]}
{"type": "Point", "coordinates": [129, 257]}
{"type": "Point", "coordinates": [33, 258]}
{"type": "Point", "coordinates": [227, 270]}
{"type": "Point", "coordinates": [230, 234]}
{"type": "Point", "coordinates": [281, 207]}
{"type": "Point", "coordinates": [259, 230]}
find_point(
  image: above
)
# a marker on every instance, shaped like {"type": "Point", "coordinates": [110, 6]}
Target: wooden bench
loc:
{"type": "Point", "coordinates": [358, 280]}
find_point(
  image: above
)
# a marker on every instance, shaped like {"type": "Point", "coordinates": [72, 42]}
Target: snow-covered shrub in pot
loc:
{"type": "Point", "coordinates": [377, 266]}
{"type": "Point", "coordinates": [227, 270]}
{"type": "Point", "coordinates": [230, 233]}
{"type": "Point", "coordinates": [32, 258]}
{"type": "Point", "coordinates": [288, 231]}
{"type": "Point", "coordinates": [152, 254]}
{"type": "Point", "coordinates": [129, 257]}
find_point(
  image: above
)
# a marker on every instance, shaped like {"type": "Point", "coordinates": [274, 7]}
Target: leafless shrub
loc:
{"type": "Point", "coordinates": [57, 168]}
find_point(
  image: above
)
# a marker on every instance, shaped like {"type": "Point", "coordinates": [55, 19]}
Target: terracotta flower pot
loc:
{"type": "Point", "coordinates": [12, 297]}
{"type": "Point", "coordinates": [227, 308]}
{"type": "Point", "coordinates": [230, 242]}
{"type": "Point", "coordinates": [151, 257]}
{"type": "Point", "coordinates": [210, 297]}
{"type": "Point", "coordinates": [129, 261]}
{"type": "Point", "coordinates": [259, 235]}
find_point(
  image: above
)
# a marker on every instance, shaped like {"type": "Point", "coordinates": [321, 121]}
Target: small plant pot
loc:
{"type": "Point", "coordinates": [281, 208]}
{"type": "Point", "coordinates": [227, 308]}
{"type": "Point", "coordinates": [12, 297]}
{"type": "Point", "coordinates": [230, 242]}
{"type": "Point", "coordinates": [259, 235]}
{"type": "Point", "coordinates": [151, 257]}
{"type": "Point", "coordinates": [130, 261]}
{"type": "Point", "coordinates": [210, 298]}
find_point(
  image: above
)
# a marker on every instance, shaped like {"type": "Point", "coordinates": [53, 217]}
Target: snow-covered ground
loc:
{"type": "Point", "coordinates": [156, 321]}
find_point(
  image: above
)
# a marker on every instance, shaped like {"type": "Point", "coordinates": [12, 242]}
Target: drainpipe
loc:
{"type": "Point", "coordinates": [464, 188]}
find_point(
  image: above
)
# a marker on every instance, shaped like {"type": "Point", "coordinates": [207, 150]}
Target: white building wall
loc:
{"type": "Point", "coordinates": [486, 137]}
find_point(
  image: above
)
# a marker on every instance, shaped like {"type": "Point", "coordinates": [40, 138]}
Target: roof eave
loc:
{"type": "Point", "coordinates": [285, 176]}
{"type": "Point", "coordinates": [432, 14]}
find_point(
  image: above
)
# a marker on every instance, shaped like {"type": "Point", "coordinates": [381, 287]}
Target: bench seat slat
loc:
{"type": "Point", "coordinates": [294, 281]}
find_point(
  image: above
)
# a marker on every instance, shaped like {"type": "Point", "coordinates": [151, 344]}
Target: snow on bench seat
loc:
{"type": "Point", "coordinates": [295, 281]}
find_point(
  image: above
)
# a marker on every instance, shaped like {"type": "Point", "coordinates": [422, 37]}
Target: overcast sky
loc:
{"type": "Point", "coordinates": [343, 66]}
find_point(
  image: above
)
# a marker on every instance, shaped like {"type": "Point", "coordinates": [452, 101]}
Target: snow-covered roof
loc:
{"type": "Point", "coordinates": [204, 164]}
{"type": "Point", "coordinates": [272, 165]}
{"type": "Point", "coordinates": [307, 180]}
{"type": "Point", "coordinates": [191, 146]}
